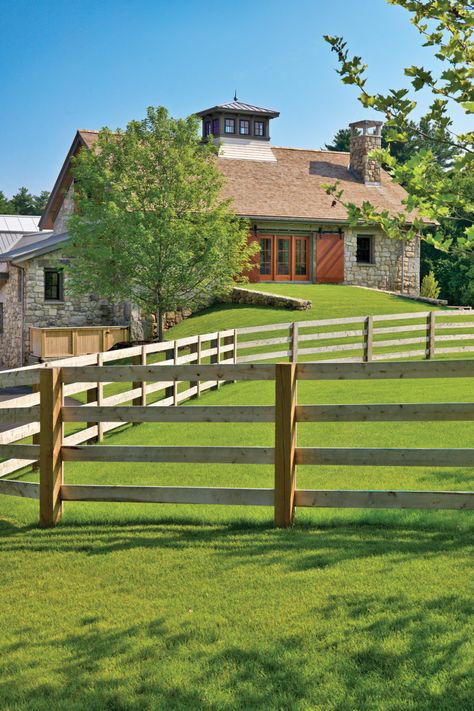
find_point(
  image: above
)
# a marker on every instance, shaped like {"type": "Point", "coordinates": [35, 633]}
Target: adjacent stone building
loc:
{"type": "Point", "coordinates": [303, 234]}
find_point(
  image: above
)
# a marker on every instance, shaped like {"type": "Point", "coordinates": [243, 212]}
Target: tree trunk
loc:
{"type": "Point", "coordinates": [159, 323]}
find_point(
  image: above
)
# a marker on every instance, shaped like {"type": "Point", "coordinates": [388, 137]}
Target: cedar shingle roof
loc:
{"type": "Point", "coordinates": [291, 187]}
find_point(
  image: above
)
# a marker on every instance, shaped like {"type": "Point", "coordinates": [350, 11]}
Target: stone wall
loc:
{"type": "Point", "coordinates": [239, 295]}
{"type": "Point", "coordinates": [11, 338]}
{"type": "Point", "coordinates": [386, 270]}
{"type": "Point", "coordinates": [66, 209]}
{"type": "Point", "coordinates": [82, 311]}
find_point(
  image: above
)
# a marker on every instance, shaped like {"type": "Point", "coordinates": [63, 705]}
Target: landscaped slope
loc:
{"type": "Point", "coordinates": [329, 301]}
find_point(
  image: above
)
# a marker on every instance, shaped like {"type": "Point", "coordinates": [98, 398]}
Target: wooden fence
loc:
{"type": "Point", "coordinates": [361, 338]}
{"type": "Point", "coordinates": [53, 449]}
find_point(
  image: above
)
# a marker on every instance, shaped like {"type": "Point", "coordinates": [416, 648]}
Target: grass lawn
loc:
{"type": "Point", "coordinates": [133, 606]}
{"type": "Point", "coordinates": [328, 301]}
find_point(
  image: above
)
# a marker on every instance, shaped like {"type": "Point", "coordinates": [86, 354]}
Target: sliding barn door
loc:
{"type": "Point", "coordinates": [329, 259]}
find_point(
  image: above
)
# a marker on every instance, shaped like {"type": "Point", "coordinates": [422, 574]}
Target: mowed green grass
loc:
{"type": "Point", "coordinates": [129, 606]}
{"type": "Point", "coordinates": [328, 301]}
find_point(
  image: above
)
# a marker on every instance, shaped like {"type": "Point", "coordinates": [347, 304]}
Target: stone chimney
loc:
{"type": "Point", "coordinates": [366, 136]}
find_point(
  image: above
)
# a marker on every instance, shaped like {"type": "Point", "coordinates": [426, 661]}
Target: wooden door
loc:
{"type": "Point", "coordinates": [300, 262]}
{"type": "Point", "coordinates": [329, 259]}
{"type": "Point", "coordinates": [283, 258]}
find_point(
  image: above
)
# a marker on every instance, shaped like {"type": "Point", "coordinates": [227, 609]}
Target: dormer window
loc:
{"type": "Point", "coordinates": [215, 127]}
{"type": "Point", "coordinates": [229, 125]}
{"type": "Point", "coordinates": [259, 128]}
{"type": "Point", "coordinates": [244, 127]}
{"type": "Point", "coordinates": [207, 128]}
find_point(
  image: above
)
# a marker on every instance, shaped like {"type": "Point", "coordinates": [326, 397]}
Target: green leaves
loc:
{"type": "Point", "coordinates": [436, 173]}
{"type": "Point", "coordinates": [150, 224]}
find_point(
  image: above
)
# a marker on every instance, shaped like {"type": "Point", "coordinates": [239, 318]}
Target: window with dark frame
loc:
{"type": "Point", "coordinates": [229, 125]}
{"type": "Point", "coordinates": [364, 253]}
{"type": "Point", "coordinates": [215, 127]}
{"type": "Point", "coordinates": [259, 128]}
{"type": "Point", "coordinates": [53, 285]}
{"type": "Point", "coordinates": [244, 127]}
{"type": "Point", "coordinates": [207, 128]}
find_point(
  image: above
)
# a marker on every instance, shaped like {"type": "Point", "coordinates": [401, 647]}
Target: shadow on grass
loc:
{"type": "Point", "coordinates": [298, 548]}
{"type": "Point", "coordinates": [326, 669]}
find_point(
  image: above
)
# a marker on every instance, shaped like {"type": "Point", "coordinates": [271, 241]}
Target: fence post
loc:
{"type": "Point", "coordinates": [215, 358]}
{"type": "Point", "coordinates": [92, 396]}
{"type": "Point", "coordinates": [100, 400]}
{"type": "Point", "coordinates": [294, 342]}
{"type": "Point", "coordinates": [170, 355]}
{"type": "Point", "coordinates": [138, 360]}
{"type": "Point", "coordinates": [51, 439]}
{"type": "Point", "coordinates": [36, 437]}
{"type": "Point", "coordinates": [285, 443]}
{"type": "Point", "coordinates": [368, 338]}
{"type": "Point", "coordinates": [430, 334]}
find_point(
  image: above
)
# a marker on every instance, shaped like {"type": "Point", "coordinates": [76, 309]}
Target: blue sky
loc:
{"type": "Point", "coordinates": [67, 65]}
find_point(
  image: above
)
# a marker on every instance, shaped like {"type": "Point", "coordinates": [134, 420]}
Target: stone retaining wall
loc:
{"type": "Point", "coordinates": [238, 295]}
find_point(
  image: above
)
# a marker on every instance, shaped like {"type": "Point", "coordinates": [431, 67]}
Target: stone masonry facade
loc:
{"type": "Point", "coordinates": [385, 271]}
{"type": "Point", "coordinates": [11, 341]}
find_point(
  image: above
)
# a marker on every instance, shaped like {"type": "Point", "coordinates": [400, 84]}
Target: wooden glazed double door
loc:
{"type": "Point", "coordinates": [288, 258]}
{"type": "Point", "coordinates": [284, 258]}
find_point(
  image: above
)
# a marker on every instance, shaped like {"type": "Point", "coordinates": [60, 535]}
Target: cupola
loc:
{"type": "Point", "coordinates": [241, 130]}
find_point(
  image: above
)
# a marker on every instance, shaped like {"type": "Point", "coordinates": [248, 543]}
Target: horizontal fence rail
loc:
{"type": "Point", "coordinates": [154, 379]}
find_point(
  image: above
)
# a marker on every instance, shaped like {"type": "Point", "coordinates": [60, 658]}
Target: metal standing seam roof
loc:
{"type": "Point", "coordinates": [19, 223]}
{"type": "Point", "coordinates": [239, 106]}
{"type": "Point", "coordinates": [35, 244]}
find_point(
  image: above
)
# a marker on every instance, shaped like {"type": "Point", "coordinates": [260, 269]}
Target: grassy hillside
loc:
{"type": "Point", "coordinates": [131, 607]}
{"type": "Point", "coordinates": [328, 301]}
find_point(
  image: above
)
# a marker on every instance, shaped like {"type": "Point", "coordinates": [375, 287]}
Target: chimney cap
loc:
{"type": "Point", "coordinates": [366, 124]}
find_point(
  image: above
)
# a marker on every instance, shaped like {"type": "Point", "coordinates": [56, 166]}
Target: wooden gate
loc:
{"type": "Point", "coordinates": [330, 258]}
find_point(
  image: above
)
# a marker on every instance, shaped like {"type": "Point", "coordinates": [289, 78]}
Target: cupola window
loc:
{"type": "Point", "coordinates": [244, 127]}
{"type": "Point", "coordinates": [215, 127]}
{"type": "Point", "coordinates": [207, 128]}
{"type": "Point", "coordinates": [229, 125]}
{"type": "Point", "coordinates": [259, 128]}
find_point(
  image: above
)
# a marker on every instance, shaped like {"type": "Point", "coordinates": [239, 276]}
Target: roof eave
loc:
{"type": "Point", "coordinates": [28, 254]}
{"type": "Point", "coordinates": [46, 218]}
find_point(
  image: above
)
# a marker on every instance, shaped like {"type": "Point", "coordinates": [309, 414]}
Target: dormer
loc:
{"type": "Point", "coordinates": [241, 130]}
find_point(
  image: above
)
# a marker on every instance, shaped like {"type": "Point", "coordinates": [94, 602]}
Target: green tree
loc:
{"type": "Point", "coordinates": [23, 202]}
{"type": "Point", "coordinates": [341, 141]}
{"type": "Point", "coordinates": [150, 224]}
{"type": "Point", "coordinates": [39, 202]}
{"type": "Point", "coordinates": [5, 205]}
{"type": "Point", "coordinates": [446, 26]}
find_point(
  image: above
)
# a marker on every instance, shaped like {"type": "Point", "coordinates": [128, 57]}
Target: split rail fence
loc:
{"type": "Point", "coordinates": [356, 339]}
{"type": "Point", "coordinates": [54, 450]}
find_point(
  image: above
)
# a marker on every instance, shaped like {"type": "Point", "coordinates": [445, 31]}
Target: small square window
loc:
{"type": "Point", "coordinates": [207, 128]}
{"type": "Point", "coordinates": [53, 285]}
{"type": "Point", "coordinates": [364, 254]}
{"type": "Point", "coordinates": [244, 127]}
{"type": "Point", "coordinates": [229, 125]}
{"type": "Point", "coordinates": [259, 128]}
{"type": "Point", "coordinates": [215, 127]}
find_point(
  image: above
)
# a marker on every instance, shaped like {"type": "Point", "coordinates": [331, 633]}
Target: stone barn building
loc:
{"type": "Point", "coordinates": [302, 235]}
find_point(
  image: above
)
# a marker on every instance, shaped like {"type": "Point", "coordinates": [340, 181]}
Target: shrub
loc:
{"type": "Point", "coordinates": [429, 286]}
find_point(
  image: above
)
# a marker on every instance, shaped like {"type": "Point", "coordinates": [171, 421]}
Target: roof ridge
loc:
{"type": "Point", "coordinates": [312, 150]}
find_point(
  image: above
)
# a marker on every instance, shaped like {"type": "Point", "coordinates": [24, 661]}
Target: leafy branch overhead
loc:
{"type": "Point", "coordinates": [437, 191]}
